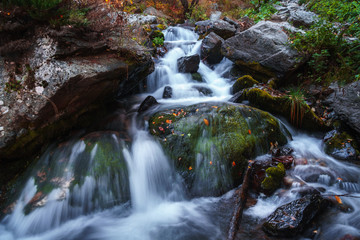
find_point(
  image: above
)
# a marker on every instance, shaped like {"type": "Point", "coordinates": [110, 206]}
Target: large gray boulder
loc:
{"type": "Point", "coordinates": [222, 28]}
{"type": "Point", "coordinates": [302, 18]}
{"type": "Point", "coordinates": [263, 49]}
{"type": "Point", "coordinates": [346, 104]}
{"type": "Point", "coordinates": [211, 48]}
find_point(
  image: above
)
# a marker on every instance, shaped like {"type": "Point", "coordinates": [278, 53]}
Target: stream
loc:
{"type": "Point", "coordinates": [102, 186]}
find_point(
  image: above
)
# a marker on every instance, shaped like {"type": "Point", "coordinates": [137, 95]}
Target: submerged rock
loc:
{"type": "Point", "coordinates": [189, 64]}
{"type": "Point", "coordinates": [197, 77]}
{"type": "Point", "coordinates": [210, 143]}
{"type": "Point", "coordinates": [203, 90]}
{"type": "Point", "coordinates": [211, 49]}
{"type": "Point", "coordinates": [292, 218]}
{"type": "Point", "coordinates": [262, 49]}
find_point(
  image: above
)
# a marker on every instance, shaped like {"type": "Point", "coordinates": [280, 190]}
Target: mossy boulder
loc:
{"type": "Point", "coordinates": [273, 179]}
{"type": "Point", "coordinates": [243, 82]}
{"type": "Point", "coordinates": [342, 146]}
{"type": "Point", "coordinates": [90, 169]}
{"type": "Point", "coordinates": [210, 143]}
{"type": "Point", "coordinates": [280, 104]}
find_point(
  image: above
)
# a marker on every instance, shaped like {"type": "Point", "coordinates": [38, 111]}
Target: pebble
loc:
{"type": "Point", "coordinates": [1, 102]}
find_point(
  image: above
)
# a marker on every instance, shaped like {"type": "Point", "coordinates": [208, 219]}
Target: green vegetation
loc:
{"type": "Point", "coordinates": [258, 11]}
{"type": "Point", "coordinates": [298, 106]}
{"type": "Point", "coordinates": [198, 13]}
{"type": "Point", "coordinates": [158, 41]}
{"type": "Point", "coordinates": [331, 46]}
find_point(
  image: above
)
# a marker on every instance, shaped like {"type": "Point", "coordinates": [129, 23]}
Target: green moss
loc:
{"type": "Point", "coordinates": [339, 140]}
{"type": "Point", "coordinates": [161, 26]}
{"type": "Point", "coordinates": [243, 82]}
{"type": "Point", "coordinates": [273, 179]}
{"type": "Point", "coordinates": [225, 135]}
{"type": "Point", "coordinates": [197, 77]}
{"type": "Point", "coordinates": [262, 99]}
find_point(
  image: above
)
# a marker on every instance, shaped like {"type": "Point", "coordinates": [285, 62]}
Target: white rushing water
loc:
{"type": "Point", "coordinates": [101, 188]}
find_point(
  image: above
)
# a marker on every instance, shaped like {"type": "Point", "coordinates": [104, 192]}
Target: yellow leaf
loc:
{"type": "Point", "coordinates": [338, 199]}
{"type": "Point", "coordinates": [190, 168]}
{"type": "Point", "coordinates": [206, 122]}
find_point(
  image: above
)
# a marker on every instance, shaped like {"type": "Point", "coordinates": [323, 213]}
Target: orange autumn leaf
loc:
{"type": "Point", "coordinates": [174, 114]}
{"type": "Point", "coordinates": [210, 162]}
{"type": "Point", "coordinates": [168, 121]}
{"type": "Point", "coordinates": [233, 163]}
{"type": "Point", "coordinates": [249, 131]}
{"type": "Point", "coordinates": [206, 122]}
{"type": "Point", "coordinates": [338, 199]}
{"type": "Point", "coordinates": [190, 168]}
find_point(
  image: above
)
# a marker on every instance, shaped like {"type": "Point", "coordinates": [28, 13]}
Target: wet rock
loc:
{"type": "Point", "coordinates": [262, 49]}
{"type": "Point", "coordinates": [341, 145]}
{"type": "Point", "coordinates": [281, 151]}
{"type": "Point", "coordinates": [292, 218]}
{"type": "Point", "coordinates": [149, 102]}
{"type": "Point", "coordinates": [167, 92]}
{"type": "Point", "coordinates": [300, 161]}
{"type": "Point", "coordinates": [211, 49]}
{"type": "Point", "coordinates": [286, 160]}
{"type": "Point", "coordinates": [197, 77]}
{"type": "Point", "coordinates": [221, 28]}
{"type": "Point", "coordinates": [346, 104]}
{"type": "Point", "coordinates": [189, 64]}
{"type": "Point", "coordinates": [210, 142]}
{"type": "Point", "coordinates": [243, 82]}
{"type": "Point", "coordinates": [203, 90]}
{"type": "Point", "coordinates": [315, 173]}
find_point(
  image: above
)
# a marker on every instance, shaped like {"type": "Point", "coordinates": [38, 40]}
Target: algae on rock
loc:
{"type": "Point", "coordinates": [210, 143]}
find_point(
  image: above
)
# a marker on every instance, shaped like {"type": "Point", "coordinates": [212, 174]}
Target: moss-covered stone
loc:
{"type": "Point", "coordinates": [256, 69]}
{"type": "Point", "coordinates": [156, 34]}
{"type": "Point", "coordinates": [197, 77]}
{"type": "Point", "coordinates": [280, 104]}
{"type": "Point", "coordinates": [273, 179]}
{"type": "Point", "coordinates": [243, 82]}
{"type": "Point", "coordinates": [211, 143]}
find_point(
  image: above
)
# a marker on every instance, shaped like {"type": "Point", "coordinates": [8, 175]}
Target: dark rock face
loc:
{"type": "Point", "coordinates": [341, 145]}
{"type": "Point", "coordinates": [222, 28]}
{"type": "Point", "coordinates": [346, 104]}
{"type": "Point", "coordinates": [60, 82]}
{"type": "Point", "coordinates": [203, 90]}
{"type": "Point", "coordinates": [211, 48]}
{"type": "Point", "coordinates": [262, 49]}
{"type": "Point", "coordinates": [167, 92]}
{"type": "Point", "coordinates": [189, 64]}
{"type": "Point", "coordinates": [149, 102]}
{"type": "Point", "coordinates": [291, 219]}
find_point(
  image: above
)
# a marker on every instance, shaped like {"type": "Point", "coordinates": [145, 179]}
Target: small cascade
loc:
{"type": "Point", "coordinates": [152, 180]}
{"type": "Point", "coordinates": [183, 42]}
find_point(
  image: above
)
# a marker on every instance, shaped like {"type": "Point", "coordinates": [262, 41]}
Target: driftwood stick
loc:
{"type": "Point", "coordinates": [240, 205]}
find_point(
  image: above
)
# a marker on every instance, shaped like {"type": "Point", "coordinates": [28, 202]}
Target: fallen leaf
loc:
{"type": "Point", "coordinates": [206, 122]}
{"type": "Point", "coordinates": [233, 163]}
{"type": "Point", "coordinates": [214, 107]}
{"type": "Point", "coordinates": [210, 162]}
{"type": "Point", "coordinates": [161, 129]}
{"type": "Point", "coordinates": [338, 199]}
{"type": "Point", "coordinates": [190, 168]}
{"type": "Point", "coordinates": [249, 131]}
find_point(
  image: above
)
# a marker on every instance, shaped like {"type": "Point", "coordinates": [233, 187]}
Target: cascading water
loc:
{"type": "Point", "coordinates": [101, 187]}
